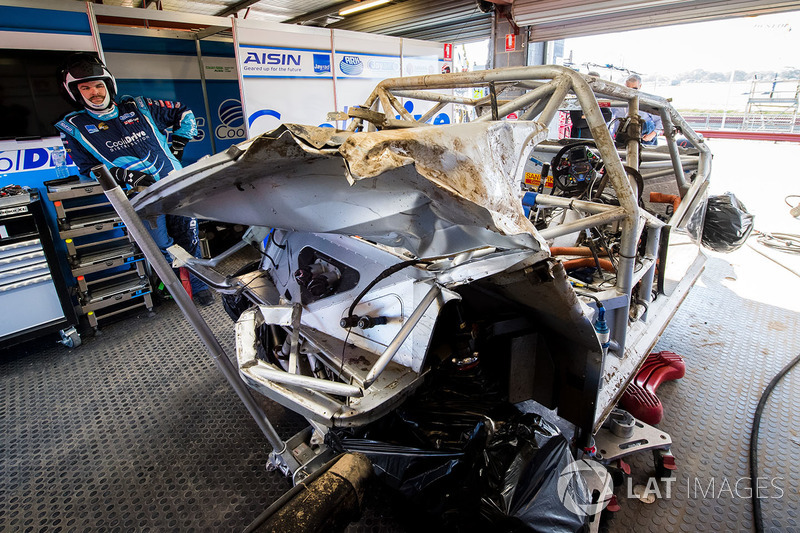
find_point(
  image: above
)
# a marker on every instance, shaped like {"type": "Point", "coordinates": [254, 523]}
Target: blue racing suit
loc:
{"type": "Point", "coordinates": [131, 136]}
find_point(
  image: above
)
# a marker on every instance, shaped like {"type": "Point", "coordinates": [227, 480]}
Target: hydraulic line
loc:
{"type": "Point", "coordinates": [582, 251]}
{"type": "Point", "coordinates": [758, 519]}
{"type": "Point", "coordinates": [605, 264]}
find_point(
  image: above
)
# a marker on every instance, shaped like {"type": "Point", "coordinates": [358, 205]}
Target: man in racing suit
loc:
{"type": "Point", "coordinates": [128, 138]}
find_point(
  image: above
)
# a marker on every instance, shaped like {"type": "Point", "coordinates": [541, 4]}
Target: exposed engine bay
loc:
{"type": "Point", "coordinates": [395, 247]}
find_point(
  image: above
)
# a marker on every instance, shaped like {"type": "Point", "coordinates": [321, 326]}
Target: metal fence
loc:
{"type": "Point", "coordinates": [766, 122]}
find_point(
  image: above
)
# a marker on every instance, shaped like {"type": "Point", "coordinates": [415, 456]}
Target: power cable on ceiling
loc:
{"type": "Point", "coordinates": [466, 22]}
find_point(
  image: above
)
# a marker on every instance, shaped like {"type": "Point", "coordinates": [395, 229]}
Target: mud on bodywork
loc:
{"type": "Point", "coordinates": [433, 191]}
{"type": "Point", "coordinates": [393, 251]}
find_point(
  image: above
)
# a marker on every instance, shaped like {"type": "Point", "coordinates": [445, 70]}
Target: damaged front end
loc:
{"type": "Point", "coordinates": [395, 249]}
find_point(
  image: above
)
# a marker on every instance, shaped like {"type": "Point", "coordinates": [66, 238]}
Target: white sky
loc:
{"type": "Point", "coordinates": [767, 42]}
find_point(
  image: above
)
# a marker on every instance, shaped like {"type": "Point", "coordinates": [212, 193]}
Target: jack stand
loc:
{"type": "Point", "coordinates": [309, 456]}
{"type": "Point", "coordinates": [623, 435]}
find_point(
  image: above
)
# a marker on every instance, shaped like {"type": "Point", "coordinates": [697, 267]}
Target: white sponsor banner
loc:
{"type": "Point", "coordinates": [288, 73]}
{"type": "Point", "coordinates": [366, 66]}
{"type": "Point", "coordinates": [23, 40]}
{"type": "Point", "coordinates": [273, 62]}
{"type": "Point", "coordinates": [421, 66]}
{"type": "Point", "coordinates": [275, 101]}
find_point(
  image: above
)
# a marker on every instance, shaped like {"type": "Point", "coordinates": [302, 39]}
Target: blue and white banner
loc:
{"type": "Point", "coordinates": [26, 157]}
{"type": "Point", "coordinates": [141, 68]}
{"type": "Point", "coordinates": [366, 66]}
{"type": "Point", "coordinates": [271, 62]}
{"type": "Point", "coordinates": [298, 74]}
{"type": "Point", "coordinates": [421, 66]}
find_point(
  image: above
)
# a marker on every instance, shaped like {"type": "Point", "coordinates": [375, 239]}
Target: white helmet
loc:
{"type": "Point", "coordinates": [81, 68]}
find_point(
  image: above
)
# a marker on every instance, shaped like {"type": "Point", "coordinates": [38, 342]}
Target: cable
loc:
{"type": "Point", "coordinates": [758, 519]}
{"type": "Point", "coordinates": [587, 295]}
{"type": "Point", "coordinates": [272, 240]}
{"type": "Point", "coordinates": [784, 242]}
{"type": "Point", "coordinates": [761, 252]}
{"type": "Point", "coordinates": [265, 254]}
{"type": "Point", "coordinates": [605, 245]}
{"type": "Point", "coordinates": [344, 347]}
{"type": "Point", "coordinates": [383, 275]}
{"type": "Point", "coordinates": [593, 248]}
{"type": "Point", "coordinates": [639, 181]}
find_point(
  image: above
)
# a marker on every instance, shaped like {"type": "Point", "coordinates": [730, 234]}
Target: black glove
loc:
{"type": "Point", "coordinates": [134, 178]}
{"type": "Point", "coordinates": [178, 144]}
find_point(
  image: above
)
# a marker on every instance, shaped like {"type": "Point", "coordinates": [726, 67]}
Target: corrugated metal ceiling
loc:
{"type": "Point", "coordinates": [558, 19]}
{"type": "Point", "coordinates": [274, 10]}
{"type": "Point", "coordinates": [462, 21]}
{"type": "Point", "coordinates": [445, 21]}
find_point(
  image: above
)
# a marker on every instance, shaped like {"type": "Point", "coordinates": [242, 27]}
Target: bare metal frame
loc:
{"type": "Point", "coordinates": [545, 90]}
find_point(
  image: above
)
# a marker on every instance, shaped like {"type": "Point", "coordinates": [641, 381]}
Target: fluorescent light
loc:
{"type": "Point", "coordinates": [362, 6]}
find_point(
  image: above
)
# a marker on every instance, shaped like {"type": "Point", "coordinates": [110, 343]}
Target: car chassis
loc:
{"type": "Point", "coordinates": [372, 235]}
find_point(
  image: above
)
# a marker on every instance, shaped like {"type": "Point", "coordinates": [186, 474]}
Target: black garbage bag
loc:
{"type": "Point", "coordinates": [425, 487]}
{"type": "Point", "coordinates": [727, 223]}
{"type": "Point", "coordinates": [431, 436]}
{"type": "Point", "coordinates": [405, 469]}
{"type": "Point", "coordinates": [464, 459]}
{"type": "Point", "coordinates": [524, 462]}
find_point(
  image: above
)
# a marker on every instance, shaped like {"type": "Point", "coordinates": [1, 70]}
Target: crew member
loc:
{"type": "Point", "coordinates": [129, 138]}
{"type": "Point", "coordinates": [651, 124]}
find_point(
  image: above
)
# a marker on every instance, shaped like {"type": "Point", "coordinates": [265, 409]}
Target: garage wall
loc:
{"type": "Point", "coordinates": [163, 65]}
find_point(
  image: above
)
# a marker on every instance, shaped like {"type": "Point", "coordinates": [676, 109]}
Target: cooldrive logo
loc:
{"type": "Point", "coordinates": [232, 118]}
{"type": "Point", "coordinates": [572, 487]}
{"type": "Point", "coordinates": [128, 140]}
{"type": "Point", "coordinates": [322, 64]}
{"type": "Point", "coordinates": [351, 65]}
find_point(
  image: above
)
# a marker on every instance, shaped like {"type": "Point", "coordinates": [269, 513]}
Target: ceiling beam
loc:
{"type": "Point", "coordinates": [325, 11]}
{"type": "Point", "coordinates": [235, 8]}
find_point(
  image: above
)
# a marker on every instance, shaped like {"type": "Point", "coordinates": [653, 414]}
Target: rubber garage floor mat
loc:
{"type": "Point", "coordinates": [137, 430]}
{"type": "Point", "coordinates": [134, 430]}
{"type": "Point", "coordinates": [733, 345]}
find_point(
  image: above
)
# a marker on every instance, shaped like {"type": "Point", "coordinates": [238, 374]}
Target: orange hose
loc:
{"type": "Point", "coordinates": [574, 250]}
{"type": "Point", "coordinates": [661, 198]}
{"type": "Point", "coordinates": [605, 264]}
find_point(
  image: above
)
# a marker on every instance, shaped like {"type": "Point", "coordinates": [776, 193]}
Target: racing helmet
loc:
{"type": "Point", "coordinates": [81, 68]}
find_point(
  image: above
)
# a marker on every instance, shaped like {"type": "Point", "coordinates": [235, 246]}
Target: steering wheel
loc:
{"type": "Point", "coordinates": [575, 167]}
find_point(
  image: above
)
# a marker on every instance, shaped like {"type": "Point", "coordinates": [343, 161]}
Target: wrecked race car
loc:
{"type": "Point", "coordinates": [394, 247]}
